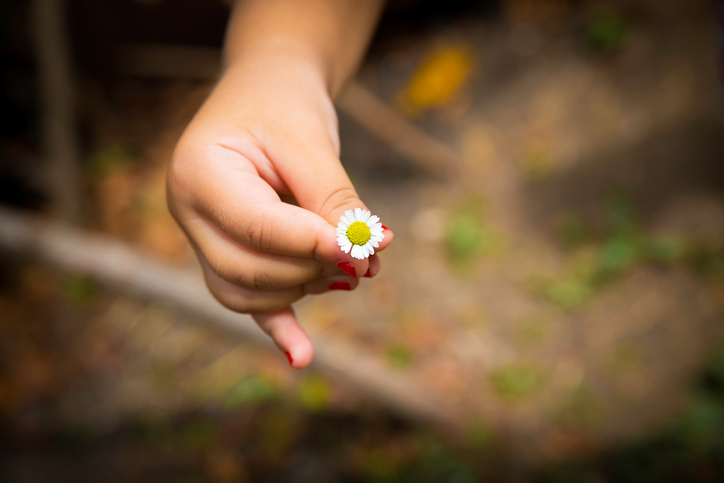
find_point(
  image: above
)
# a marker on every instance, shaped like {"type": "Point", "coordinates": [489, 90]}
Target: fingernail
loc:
{"type": "Point", "coordinates": [347, 268]}
{"type": "Point", "coordinates": [385, 228]}
{"type": "Point", "coordinates": [368, 273]}
{"type": "Point", "coordinates": [289, 357]}
{"type": "Point", "coordinates": [340, 286]}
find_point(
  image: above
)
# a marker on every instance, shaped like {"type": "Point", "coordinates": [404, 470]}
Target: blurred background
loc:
{"type": "Point", "coordinates": [551, 309]}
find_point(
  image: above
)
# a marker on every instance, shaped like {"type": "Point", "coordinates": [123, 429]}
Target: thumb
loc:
{"type": "Point", "coordinates": [313, 172]}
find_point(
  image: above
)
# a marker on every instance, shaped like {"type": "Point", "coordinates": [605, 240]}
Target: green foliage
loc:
{"type": "Point", "coordinates": [665, 249]}
{"type": "Point", "coordinates": [573, 232]}
{"type": "Point", "coordinates": [568, 293]}
{"type": "Point", "coordinates": [707, 261]}
{"type": "Point", "coordinates": [435, 464]}
{"type": "Point", "coordinates": [109, 159]}
{"type": "Point", "coordinates": [680, 451]}
{"type": "Point", "coordinates": [618, 252]}
{"type": "Point", "coordinates": [467, 237]}
{"type": "Point", "coordinates": [581, 410]}
{"type": "Point", "coordinates": [251, 389]}
{"type": "Point", "coordinates": [517, 381]}
{"type": "Point", "coordinates": [314, 393]}
{"type": "Point", "coordinates": [596, 263]}
{"type": "Point", "coordinates": [606, 33]}
{"type": "Point", "coordinates": [399, 356]}
{"type": "Point", "coordinates": [81, 289]}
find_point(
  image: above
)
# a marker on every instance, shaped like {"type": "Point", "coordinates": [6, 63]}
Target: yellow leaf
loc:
{"type": "Point", "coordinates": [438, 79]}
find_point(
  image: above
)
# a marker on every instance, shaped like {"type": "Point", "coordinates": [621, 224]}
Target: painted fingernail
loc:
{"type": "Point", "coordinates": [340, 286]}
{"type": "Point", "coordinates": [347, 268]}
{"type": "Point", "coordinates": [368, 273]}
{"type": "Point", "coordinates": [385, 228]}
{"type": "Point", "coordinates": [289, 357]}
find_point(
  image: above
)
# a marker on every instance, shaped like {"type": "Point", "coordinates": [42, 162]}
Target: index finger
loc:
{"type": "Point", "coordinates": [248, 210]}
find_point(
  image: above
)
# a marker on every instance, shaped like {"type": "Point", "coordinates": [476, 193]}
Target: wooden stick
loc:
{"type": "Point", "coordinates": [403, 137]}
{"type": "Point", "coordinates": [56, 87]}
{"type": "Point", "coordinates": [114, 263]}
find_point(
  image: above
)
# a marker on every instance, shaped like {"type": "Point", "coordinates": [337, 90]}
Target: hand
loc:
{"type": "Point", "coordinates": [268, 129]}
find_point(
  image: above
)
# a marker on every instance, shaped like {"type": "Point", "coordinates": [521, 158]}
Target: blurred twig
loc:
{"type": "Point", "coordinates": [56, 86]}
{"type": "Point", "coordinates": [154, 60]}
{"type": "Point", "coordinates": [114, 263]}
{"type": "Point", "coordinates": [386, 125]}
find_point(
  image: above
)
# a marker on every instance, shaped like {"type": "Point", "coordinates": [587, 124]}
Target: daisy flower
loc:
{"type": "Point", "coordinates": [360, 231]}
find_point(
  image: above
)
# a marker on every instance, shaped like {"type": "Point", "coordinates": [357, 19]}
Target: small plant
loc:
{"type": "Point", "coordinates": [467, 237]}
{"type": "Point", "coordinates": [517, 381]}
{"type": "Point", "coordinates": [314, 393]}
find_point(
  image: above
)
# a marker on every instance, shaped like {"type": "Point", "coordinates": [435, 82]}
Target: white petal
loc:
{"type": "Point", "coordinates": [365, 215]}
{"type": "Point", "coordinates": [349, 214]}
{"type": "Point", "coordinates": [374, 243]}
{"type": "Point", "coordinates": [377, 225]}
{"type": "Point", "coordinates": [377, 236]}
{"type": "Point", "coordinates": [342, 231]}
{"type": "Point", "coordinates": [342, 241]}
{"type": "Point", "coordinates": [347, 247]}
{"type": "Point", "coordinates": [373, 220]}
{"type": "Point", "coordinates": [370, 249]}
{"type": "Point", "coordinates": [357, 214]}
{"type": "Point", "coordinates": [376, 231]}
{"type": "Point", "coordinates": [358, 252]}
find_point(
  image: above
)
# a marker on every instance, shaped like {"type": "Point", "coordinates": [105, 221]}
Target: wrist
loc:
{"type": "Point", "coordinates": [281, 56]}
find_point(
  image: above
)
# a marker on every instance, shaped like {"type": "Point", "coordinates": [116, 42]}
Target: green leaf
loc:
{"type": "Point", "coordinates": [314, 393]}
{"type": "Point", "coordinates": [81, 289]}
{"type": "Point", "coordinates": [618, 253]}
{"type": "Point", "coordinates": [252, 388]}
{"type": "Point", "coordinates": [665, 249]}
{"type": "Point", "coordinates": [399, 356]}
{"type": "Point", "coordinates": [568, 293]}
{"type": "Point", "coordinates": [606, 33]}
{"type": "Point", "coordinates": [518, 381]}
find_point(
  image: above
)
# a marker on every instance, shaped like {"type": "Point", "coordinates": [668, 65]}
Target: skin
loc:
{"type": "Point", "coordinates": [268, 132]}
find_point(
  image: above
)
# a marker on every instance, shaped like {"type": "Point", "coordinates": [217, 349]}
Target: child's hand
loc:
{"type": "Point", "coordinates": [268, 129]}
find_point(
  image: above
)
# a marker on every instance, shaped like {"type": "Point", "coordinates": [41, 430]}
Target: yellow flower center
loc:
{"type": "Point", "coordinates": [359, 233]}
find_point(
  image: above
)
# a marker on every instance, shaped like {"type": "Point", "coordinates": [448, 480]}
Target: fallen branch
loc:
{"type": "Point", "coordinates": [117, 264]}
{"type": "Point", "coordinates": [63, 176]}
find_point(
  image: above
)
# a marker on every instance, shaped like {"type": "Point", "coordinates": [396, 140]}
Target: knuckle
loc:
{"type": "Point", "coordinates": [256, 280]}
{"type": "Point", "coordinates": [339, 198]}
{"type": "Point", "coordinates": [259, 233]}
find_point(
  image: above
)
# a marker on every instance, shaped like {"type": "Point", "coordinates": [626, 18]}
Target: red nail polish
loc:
{"type": "Point", "coordinates": [385, 228]}
{"type": "Point", "coordinates": [340, 286]}
{"type": "Point", "coordinates": [368, 273]}
{"type": "Point", "coordinates": [347, 268]}
{"type": "Point", "coordinates": [289, 356]}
